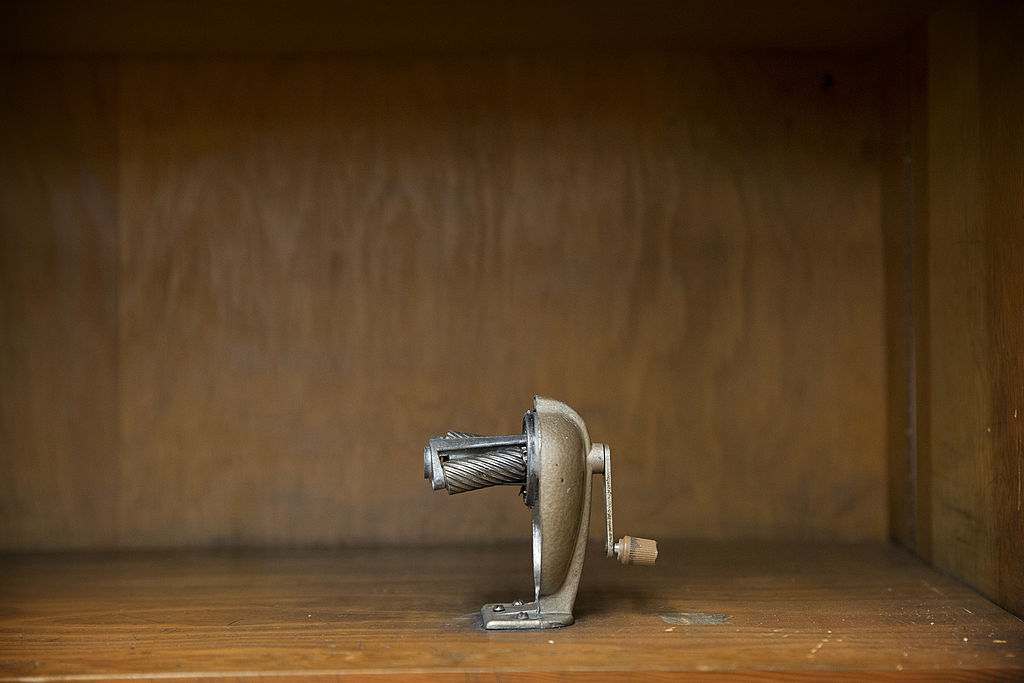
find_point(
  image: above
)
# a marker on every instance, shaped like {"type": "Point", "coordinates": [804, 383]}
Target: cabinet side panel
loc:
{"type": "Point", "coordinates": [1002, 84]}
{"type": "Point", "coordinates": [976, 245]}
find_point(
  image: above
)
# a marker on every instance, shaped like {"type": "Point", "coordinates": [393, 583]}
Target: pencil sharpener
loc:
{"type": "Point", "coordinates": [552, 462]}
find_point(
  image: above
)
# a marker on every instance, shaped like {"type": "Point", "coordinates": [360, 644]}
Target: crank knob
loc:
{"type": "Point", "coordinates": [634, 550]}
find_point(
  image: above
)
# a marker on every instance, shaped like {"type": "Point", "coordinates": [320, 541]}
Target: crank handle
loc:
{"type": "Point", "coordinates": [628, 549]}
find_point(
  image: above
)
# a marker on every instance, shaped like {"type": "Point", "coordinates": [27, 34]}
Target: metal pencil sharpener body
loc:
{"type": "Point", "coordinates": [553, 462]}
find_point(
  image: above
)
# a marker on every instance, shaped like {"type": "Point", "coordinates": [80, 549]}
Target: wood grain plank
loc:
{"type": "Point", "coordinates": [821, 609]}
{"type": "Point", "coordinates": [976, 210]}
{"type": "Point", "coordinates": [58, 319]}
{"type": "Point", "coordinates": [320, 26]}
{"type": "Point", "coordinates": [1002, 73]}
{"type": "Point", "coordinates": [323, 261]}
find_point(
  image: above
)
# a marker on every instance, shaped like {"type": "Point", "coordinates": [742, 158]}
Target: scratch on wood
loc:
{"type": "Point", "coordinates": [695, 619]}
{"type": "Point", "coordinates": [814, 650]}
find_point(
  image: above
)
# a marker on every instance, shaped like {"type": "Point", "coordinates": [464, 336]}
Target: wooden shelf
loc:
{"type": "Point", "coordinates": [768, 609]}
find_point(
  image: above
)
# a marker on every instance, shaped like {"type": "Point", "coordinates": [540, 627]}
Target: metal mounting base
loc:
{"type": "Point", "coordinates": [520, 616]}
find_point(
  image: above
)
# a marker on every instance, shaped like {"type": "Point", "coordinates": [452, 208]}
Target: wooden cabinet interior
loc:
{"type": "Point", "coordinates": [247, 265]}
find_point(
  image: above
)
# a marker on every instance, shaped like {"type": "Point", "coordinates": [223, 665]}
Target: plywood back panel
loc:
{"type": "Point", "coordinates": [321, 262]}
{"type": "Point", "coordinates": [58, 303]}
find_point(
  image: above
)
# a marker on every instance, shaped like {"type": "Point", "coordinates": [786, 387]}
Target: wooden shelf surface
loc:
{"type": "Point", "coordinates": [765, 610]}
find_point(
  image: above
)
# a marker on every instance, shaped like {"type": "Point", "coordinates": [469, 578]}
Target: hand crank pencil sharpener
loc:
{"type": "Point", "coordinates": [552, 461]}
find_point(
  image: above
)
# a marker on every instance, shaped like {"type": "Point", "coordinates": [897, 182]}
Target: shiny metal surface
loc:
{"type": "Point", "coordinates": [495, 468]}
